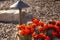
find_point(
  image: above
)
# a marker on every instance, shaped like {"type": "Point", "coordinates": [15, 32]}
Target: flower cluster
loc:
{"type": "Point", "coordinates": [37, 29]}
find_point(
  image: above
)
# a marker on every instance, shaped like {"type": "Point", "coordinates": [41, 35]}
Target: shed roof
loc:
{"type": "Point", "coordinates": [19, 4]}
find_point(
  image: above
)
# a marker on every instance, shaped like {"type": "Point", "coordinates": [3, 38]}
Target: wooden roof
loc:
{"type": "Point", "coordinates": [19, 4]}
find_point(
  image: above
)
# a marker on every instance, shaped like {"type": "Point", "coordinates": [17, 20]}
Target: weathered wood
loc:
{"type": "Point", "coordinates": [20, 16]}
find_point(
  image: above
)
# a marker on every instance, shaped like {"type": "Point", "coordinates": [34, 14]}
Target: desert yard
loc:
{"type": "Point", "coordinates": [43, 10]}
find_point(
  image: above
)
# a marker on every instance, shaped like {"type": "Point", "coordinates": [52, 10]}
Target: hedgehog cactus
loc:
{"type": "Point", "coordinates": [39, 30]}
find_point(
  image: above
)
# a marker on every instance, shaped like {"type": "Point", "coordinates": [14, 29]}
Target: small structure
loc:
{"type": "Point", "coordinates": [19, 5]}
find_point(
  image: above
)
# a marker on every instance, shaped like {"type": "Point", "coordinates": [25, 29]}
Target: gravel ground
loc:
{"type": "Point", "coordinates": [7, 31]}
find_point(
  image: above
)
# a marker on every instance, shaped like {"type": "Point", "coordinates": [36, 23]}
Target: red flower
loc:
{"type": "Point", "coordinates": [27, 31]}
{"type": "Point", "coordinates": [28, 27]}
{"type": "Point", "coordinates": [46, 27]}
{"type": "Point", "coordinates": [35, 36]}
{"type": "Point", "coordinates": [54, 34]}
{"type": "Point", "coordinates": [47, 38]}
{"type": "Point", "coordinates": [21, 27]}
{"type": "Point", "coordinates": [51, 26]}
{"type": "Point", "coordinates": [57, 28]}
{"type": "Point", "coordinates": [35, 20]}
{"type": "Point", "coordinates": [32, 30]}
{"type": "Point", "coordinates": [42, 35]}
{"type": "Point", "coordinates": [58, 34]}
{"type": "Point", "coordinates": [41, 23]}
{"type": "Point", "coordinates": [33, 25]}
{"type": "Point", "coordinates": [58, 23]}
{"type": "Point", "coordinates": [53, 22]}
{"type": "Point", "coordinates": [22, 32]}
{"type": "Point", "coordinates": [40, 29]}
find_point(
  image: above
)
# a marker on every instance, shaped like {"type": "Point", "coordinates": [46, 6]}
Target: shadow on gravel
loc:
{"type": "Point", "coordinates": [13, 22]}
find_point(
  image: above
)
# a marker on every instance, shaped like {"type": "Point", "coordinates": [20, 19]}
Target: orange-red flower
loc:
{"type": "Point", "coordinates": [22, 32]}
{"type": "Point", "coordinates": [47, 38]}
{"type": "Point", "coordinates": [42, 35]}
{"type": "Point", "coordinates": [32, 30]}
{"type": "Point", "coordinates": [58, 23]}
{"type": "Point", "coordinates": [27, 31]}
{"type": "Point", "coordinates": [27, 27]}
{"type": "Point", "coordinates": [41, 23]}
{"type": "Point", "coordinates": [57, 28]}
{"type": "Point", "coordinates": [35, 20]}
{"type": "Point", "coordinates": [35, 36]}
{"type": "Point", "coordinates": [33, 25]}
{"type": "Point", "coordinates": [54, 34]}
{"type": "Point", "coordinates": [40, 29]}
{"type": "Point", "coordinates": [53, 22]}
{"type": "Point", "coordinates": [51, 26]}
{"type": "Point", "coordinates": [58, 35]}
{"type": "Point", "coordinates": [46, 27]}
{"type": "Point", "coordinates": [20, 27]}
